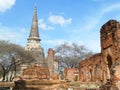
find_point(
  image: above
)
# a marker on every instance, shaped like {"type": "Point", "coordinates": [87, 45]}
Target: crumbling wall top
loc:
{"type": "Point", "coordinates": [111, 25]}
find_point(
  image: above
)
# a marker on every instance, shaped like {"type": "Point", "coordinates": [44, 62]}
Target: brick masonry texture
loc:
{"type": "Point", "coordinates": [105, 65]}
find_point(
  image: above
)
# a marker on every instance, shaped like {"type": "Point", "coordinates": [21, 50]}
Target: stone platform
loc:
{"type": "Point", "coordinates": [39, 85]}
{"type": "Point", "coordinates": [6, 85]}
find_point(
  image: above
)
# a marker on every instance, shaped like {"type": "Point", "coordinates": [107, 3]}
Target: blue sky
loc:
{"type": "Point", "coordinates": [59, 21]}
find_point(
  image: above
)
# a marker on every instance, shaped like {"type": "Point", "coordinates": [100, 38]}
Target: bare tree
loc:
{"type": "Point", "coordinates": [11, 57]}
{"type": "Point", "coordinates": [69, 55]}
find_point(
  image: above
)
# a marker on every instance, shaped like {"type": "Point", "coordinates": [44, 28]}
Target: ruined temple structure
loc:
{"type": "Point", "coordinates": [71, 74]}
{"type": "Point", "coordinates": [33, 44]}
{"type": "Point", "coordinates": [35, 73]}
{"type": "Point", "coordinates": [41, 67]}
{"type": "Point", "coordinates": [50, 60]}
{"type": "Point", "coordinates": [104, 67]}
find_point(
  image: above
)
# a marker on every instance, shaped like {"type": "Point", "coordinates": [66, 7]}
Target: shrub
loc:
{"type": "Point", "coordinates": [76, 78]}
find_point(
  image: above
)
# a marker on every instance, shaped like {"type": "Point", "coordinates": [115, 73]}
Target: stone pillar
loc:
{"type": "Point", "coordinates": [50, 59]}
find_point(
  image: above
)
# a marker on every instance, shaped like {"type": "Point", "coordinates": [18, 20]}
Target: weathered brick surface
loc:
{"type": "Point", "coordinates": [35, 72]}
{"type": "Point", "coordinates": [71, 74]}
{"type": "Point", "coordinates": [50, 61]}
{"type": "Point", "coordinates": [105, 65]}
{"type": "Point", "coordinates": [90, 69]}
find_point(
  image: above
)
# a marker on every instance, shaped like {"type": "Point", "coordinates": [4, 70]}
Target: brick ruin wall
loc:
{"type": "Point", "coordinates": [100, 67]}
{"type": "Point", "coordinates": [71, 74]}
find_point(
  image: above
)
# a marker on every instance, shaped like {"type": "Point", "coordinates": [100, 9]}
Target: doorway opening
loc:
{"type": "Point", "coordinates": [109, 60]}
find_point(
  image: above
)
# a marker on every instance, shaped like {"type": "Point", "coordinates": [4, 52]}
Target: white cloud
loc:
{"type": "Point", "coordinates": [86, 33]}
{"type": "Point", "coordinates": [54, 42]}
{"type": "Point", "coordinates": [14, 35]}
{"type": "Point", "coordinates": [23, 30]}
{"type": "Point", "coordinates": [57, 19]}
{"type": "Point", "coordinates": [52, 20]}
{"type": "Point", "coordinates": [93, 45]}
{"type": "Point", "coordinates": [6, 4]}
{"type": "Point", "coordinates": [43, 25]}
{"type": "Point", "coordinates": [92, 23]}
{"type": "Point", "coordinates": [110, 8]}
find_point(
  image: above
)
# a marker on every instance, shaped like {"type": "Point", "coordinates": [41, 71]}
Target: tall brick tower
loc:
{"type": "Point", "coordinates": [33, 44]}
{"type": "Point", "coordinates": [110, 42]}
{"type": "Point", "coordinates": [110, 49]}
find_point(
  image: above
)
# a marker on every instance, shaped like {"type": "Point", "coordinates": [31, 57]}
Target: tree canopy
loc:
{"type": "Point", "coordinates": [69, 55]}
{"type": "Point", "coordinates": [11, 57]}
